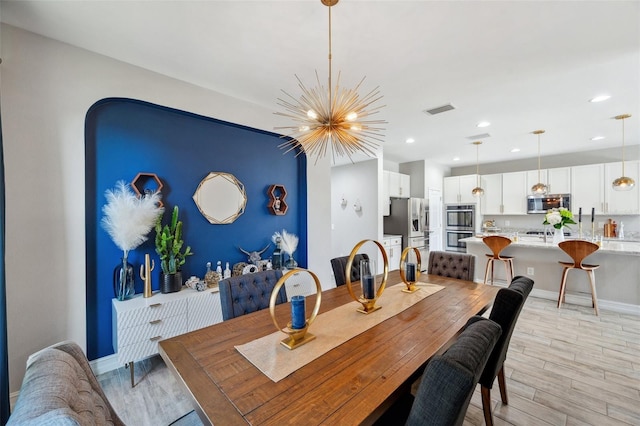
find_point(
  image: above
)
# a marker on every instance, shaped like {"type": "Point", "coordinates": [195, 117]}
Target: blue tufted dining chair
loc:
{"type": "Point", "coordinates": [248, 293]}
{"type": "Point", "coordinates": [452, 265]}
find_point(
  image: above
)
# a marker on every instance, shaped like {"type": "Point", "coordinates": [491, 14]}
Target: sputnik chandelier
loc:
{"type": "Point", "coordinates": [332, 117]}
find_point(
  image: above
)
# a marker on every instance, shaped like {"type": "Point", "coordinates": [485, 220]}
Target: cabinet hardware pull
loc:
{"type": "Point", "coordinates": [155, 305]}
{"type": "Point", "coordinates": [155, 321]}
{"type": "Point", "coordinates": [153, 339]}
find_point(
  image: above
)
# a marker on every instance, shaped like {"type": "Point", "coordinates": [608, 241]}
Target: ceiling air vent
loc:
{"type": "Point", "coordinates": [440, 109]}
{"type": "Point", "coordinates": [480, 136]}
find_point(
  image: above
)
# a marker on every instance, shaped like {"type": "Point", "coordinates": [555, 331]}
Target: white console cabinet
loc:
{"type": "Point", "coordinates": [138, 324]}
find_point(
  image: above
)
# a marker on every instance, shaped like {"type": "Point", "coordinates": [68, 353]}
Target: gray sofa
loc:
{"type": "Point", "coordinates": [59, 388]}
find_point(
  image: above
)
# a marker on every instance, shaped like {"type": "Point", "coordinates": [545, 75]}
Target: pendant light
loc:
{"type": "Point", "coordinates": [623, 183]}
{"type": "Point", "coordinates": [477, 191]}
{"type": "Point", "coordinates": [539, 188]}
{"type": "Point", "coordinates": [332, 118]}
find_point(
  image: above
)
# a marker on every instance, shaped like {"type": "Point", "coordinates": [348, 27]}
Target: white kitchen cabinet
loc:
{"type": "Point", "coordinates": [622, 202]}
{"type": "Point", "coordinates": [514, 193]}
{"type": "Point", "coordinates": [457, 189]}
{"type": "Point", "coordinates": [559, 180]}
{"type": "Point", "coordinates": [504, 193]}
{"type": "Point", "coordinates": [386, 202]}
{"type": "Point", "coordinates": [393, 248]}
{"type": "Point", "coordinates": [587, 189]}
{"type": "Point", "coordinates": [396, 185]}
{"type": "Point", "coordinates": [399, 184]}
{"type": "Point", "coordinates": [491, 201]}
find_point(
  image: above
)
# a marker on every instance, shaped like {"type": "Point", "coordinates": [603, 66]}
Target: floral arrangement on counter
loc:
{"type": "Point", "coordinates": [558, 218]}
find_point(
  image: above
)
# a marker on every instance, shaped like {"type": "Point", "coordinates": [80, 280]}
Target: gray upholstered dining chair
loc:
{"type": "Point", "coordinates": [248, 293]}
{"type": "Point", "coordinates": [448, 381]}
{"type": "Point", "coordinates": [339, 266]}
{"type": "Point", "coordinates": [505, 312]}
{"type": "Point", "coordinates": [452, 265]}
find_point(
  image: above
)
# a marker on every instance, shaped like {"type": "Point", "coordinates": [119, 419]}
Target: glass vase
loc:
{"type": "Point", "coordinates": [123, 280]}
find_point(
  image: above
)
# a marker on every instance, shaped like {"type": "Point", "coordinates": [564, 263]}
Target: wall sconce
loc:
{"type": "Point", "coordinates": [357, 206]}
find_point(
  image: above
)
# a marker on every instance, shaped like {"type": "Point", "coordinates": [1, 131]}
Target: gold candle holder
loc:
{"type": "Point", "coordinates": [296, 337]}
{"type": "Point", "coordinates": [411, 285]}
{"type": "Point", "coordinates": [368, 305]}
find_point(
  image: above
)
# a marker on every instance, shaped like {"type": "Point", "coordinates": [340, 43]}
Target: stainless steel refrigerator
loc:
{"type": "Point", "coordinates": [409, 217]}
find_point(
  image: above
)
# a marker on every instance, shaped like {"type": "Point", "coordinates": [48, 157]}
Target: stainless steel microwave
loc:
{"type": "Point", "coordinates": [544, 203]}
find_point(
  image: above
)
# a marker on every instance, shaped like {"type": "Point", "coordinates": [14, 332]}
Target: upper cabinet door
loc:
{"type": "Point", "coordinates": [587, 188]}
{"type": "Point", "coordinates": [559, 180]}
{"type": "Point", "coordinates": [451, 188]}
{"type": "Point", "coordinates": [467, 183]}
{"type": "Point", "coordinates": [514, 193]}
{"type": "Point", "coordinates": [491, 201]}
{"type": "Point", "coordinates": [622, 202]}
{"type": "Point", "coordinates": [394, 184]}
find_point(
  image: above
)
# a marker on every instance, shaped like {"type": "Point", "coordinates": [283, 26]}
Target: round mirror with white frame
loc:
{"type": "Point", "coordinates": [221, 198]}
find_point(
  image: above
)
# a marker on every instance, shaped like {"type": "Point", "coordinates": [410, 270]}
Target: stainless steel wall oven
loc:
{"type": "Point", "coordinates": [460, 223]}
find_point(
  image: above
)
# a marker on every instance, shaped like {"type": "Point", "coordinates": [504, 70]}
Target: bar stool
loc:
{"type": "Point", "coordinates": [579, 250]}
{"type": "Point", "coordinates": [498, 243]}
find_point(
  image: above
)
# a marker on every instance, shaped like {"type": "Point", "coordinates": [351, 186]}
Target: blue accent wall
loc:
{"type": "Point", "coordinates": [124, 137]}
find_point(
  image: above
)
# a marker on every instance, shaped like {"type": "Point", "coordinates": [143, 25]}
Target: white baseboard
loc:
{"type": "Point", "coordinates": [105, 364]}
{"type": "Point", "coordinates": [577, 299]}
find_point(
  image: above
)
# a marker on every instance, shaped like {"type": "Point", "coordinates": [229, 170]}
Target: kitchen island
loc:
{"type": "Point", "coordinates": [617, 279]}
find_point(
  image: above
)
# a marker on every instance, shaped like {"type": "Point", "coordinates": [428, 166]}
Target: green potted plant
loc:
{"type": "Point", "coordinates": [169, 245]}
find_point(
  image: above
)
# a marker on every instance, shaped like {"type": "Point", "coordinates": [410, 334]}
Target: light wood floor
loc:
{"type": "Point", "coordinates": [564, 368]}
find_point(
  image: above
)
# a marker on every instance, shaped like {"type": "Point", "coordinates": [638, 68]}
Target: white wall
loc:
{"type": "Point", "coordinates": [356, 183]}
{"type": "Point", "coordinates": [47, 88]}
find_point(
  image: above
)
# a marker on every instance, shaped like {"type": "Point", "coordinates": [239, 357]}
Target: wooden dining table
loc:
{"type": "Point", "coordinates": [351, 384]}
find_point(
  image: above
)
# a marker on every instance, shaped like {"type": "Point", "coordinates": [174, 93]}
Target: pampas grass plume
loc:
{"type": "Point", "coordinates": [288, 241]}
{"type": "Point", "coordinates": [127, 218]}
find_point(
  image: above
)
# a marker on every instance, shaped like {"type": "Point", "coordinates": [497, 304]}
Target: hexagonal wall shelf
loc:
{"type": "Point", "coordinates": [277, 204]}
{"type": "Point", "coordinates": [144, 182]}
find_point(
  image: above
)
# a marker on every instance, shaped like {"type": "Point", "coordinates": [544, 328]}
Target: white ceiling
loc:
{"type": "Point", "coordinates": [522, 65]}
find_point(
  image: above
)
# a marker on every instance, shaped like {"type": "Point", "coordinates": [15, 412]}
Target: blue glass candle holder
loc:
{"type": "Point", "coordinates": [410, 266]}
{"type": "Point", "coordinates": [298, 315]}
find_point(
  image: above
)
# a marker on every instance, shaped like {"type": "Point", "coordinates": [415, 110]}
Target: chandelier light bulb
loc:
{"type": "Point", "coordinates": [312, 114]}
{"type": "Point", "coordinates": [351, 116]}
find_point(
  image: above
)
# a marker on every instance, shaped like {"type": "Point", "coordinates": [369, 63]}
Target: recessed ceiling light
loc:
{"type": "Point", "coordinates": [483, 124]}
{"type": "Point", "coordinates": [410, 140]}
{"type": "Point", "coordinates": [597, 138]}
{"type": "Point", "coordinates": [600, 98]}
{"type": "Point", "coordinates": [515, 150]}
{"type": "Point", "coordinates": [456, 158]}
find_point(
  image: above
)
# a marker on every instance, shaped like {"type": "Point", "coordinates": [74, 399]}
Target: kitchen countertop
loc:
{"type": "Point", "coordinates": [608, 246]}
{"type": "Point", "coordinates": [386, 236]}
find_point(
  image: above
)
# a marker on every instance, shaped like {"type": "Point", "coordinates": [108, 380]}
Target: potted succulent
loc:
{"type": "Point", "coordinates": [169, 246]}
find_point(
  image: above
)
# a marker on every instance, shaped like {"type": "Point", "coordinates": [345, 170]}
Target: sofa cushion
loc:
{"type": "Point", "coordinates": [57, 391]}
